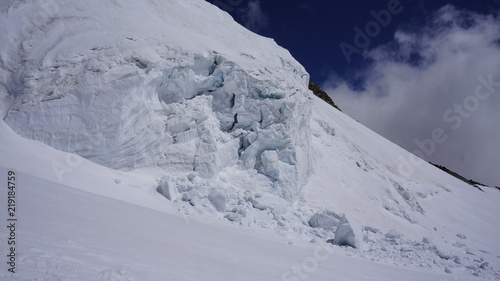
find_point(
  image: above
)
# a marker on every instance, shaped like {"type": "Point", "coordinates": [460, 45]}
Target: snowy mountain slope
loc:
{"type": "Point", "coordinates": [361, 174]}
{"type": "Point", "coordinates": [204, 120]}
{"type": "Point", "coordinates": [68, 234]}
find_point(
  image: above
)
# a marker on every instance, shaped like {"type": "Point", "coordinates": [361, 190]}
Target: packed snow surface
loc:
{"type": "Point", "coordinates": [161, 140]}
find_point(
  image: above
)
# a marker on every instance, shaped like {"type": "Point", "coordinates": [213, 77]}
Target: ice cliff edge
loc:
{"type": "Point", "coordinates": [174, 84]}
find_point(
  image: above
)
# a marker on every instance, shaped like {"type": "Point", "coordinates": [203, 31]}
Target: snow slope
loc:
{"type": "Point", "coordinates": [69, 234]}
{"type": "Point", "coordinates": [422, 217]}
{"type": "Point", "coordinates": [163, 141]}
{"type": "Point", "coordinates": [102, 224]}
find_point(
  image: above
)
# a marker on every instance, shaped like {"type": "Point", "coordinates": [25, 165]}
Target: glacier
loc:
{"type": "Point", "coordinates": [179, 113]}
{"type": "Point", "coordinates": [127, 98]}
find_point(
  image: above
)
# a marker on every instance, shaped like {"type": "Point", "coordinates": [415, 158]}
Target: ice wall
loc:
{"type": "Point", "coordinates": [122, 85]}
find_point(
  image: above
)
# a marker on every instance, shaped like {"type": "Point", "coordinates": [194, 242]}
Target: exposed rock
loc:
{"type": "Point", "coordinates": [460, 177]}
{"type": "Point", "coordinates": [322, 94]}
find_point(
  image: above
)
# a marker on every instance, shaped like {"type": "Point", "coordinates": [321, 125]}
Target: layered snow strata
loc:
{"type": "Point", "coordinates": [126, 97]}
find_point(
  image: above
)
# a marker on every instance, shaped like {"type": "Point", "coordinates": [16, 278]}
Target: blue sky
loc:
{"type": "Point", "coordinates": [423, 73]}
{"type": "Point", "coordinates": [314, 30]}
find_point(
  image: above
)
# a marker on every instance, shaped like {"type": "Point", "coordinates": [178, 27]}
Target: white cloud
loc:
{"type": "Point", "coordinates": [428, 79]}
{"type": "Point", "coordinates": [253, 17]}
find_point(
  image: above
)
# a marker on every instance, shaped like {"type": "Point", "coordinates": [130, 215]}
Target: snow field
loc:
{"type": "Point", "coordinates": [194, 151]}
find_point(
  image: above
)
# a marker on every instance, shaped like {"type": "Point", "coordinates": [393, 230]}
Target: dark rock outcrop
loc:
{"type": "Point", "coordinates": [456, 175]}
{"type": "Point", "coordinates": [322, 94]}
